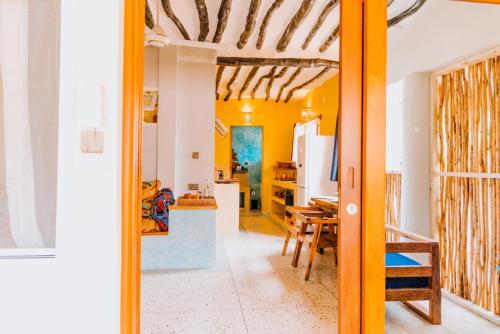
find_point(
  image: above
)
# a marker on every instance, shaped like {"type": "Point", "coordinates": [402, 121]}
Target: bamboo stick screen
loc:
{"type": "Point", "coordinates": [392, 202]}
{"type": "Point", "coordinates": [467, 124]}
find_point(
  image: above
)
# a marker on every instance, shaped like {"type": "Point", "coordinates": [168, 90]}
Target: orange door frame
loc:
{"type": "Point", "coordinates": [133, 71]}
{"type": "Point", "coordinates": [373, 171]}
{"type": "Point", "coordinates": [350, 143]}
{"type": "Point", "coordinates": [361, 166]}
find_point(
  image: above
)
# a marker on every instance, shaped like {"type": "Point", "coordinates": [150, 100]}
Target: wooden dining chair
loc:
{"type": "Point", "coordinates": [324, 236]}
{"type": "Point", "coordinates": [291, 222]}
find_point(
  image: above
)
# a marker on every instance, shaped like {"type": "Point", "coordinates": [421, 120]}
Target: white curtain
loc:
{"type": "Point", "coordinates": [28, 111]}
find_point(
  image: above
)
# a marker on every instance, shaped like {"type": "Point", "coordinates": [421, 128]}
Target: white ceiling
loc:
{"type": "Point", "coordinates": [188, 15]}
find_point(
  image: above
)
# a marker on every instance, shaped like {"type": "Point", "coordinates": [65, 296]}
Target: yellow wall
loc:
{"type": "Point", "coordinates": [277, 120]}
{"type": "Point", "coordinates": [324, 100]}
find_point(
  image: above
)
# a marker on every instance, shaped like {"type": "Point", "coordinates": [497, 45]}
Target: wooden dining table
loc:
{"type": "Point", "coordinates": [328, 204]}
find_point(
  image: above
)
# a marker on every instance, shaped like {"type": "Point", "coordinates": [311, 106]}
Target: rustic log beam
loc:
{"type": "Point", "coordinates": [265, 22]}
{"type": "Point", "coordinates": [407, 13]}
{"type": "Point", "coordinates": [250, 23]}
{"type": "Point", "coordinates": [222, 16]}
{"type": "Point", "coordinates": [321, 19]}
{"type": "Point", "coordinates": [201, 7]}
{"type": "Point", "coordinates": [330, 39]}
{"type": "Point", "coordinates": [220, 70]}
{"type": "Point", "coordinates": [269, 75]}
{"type": "Point", "coordinates": [288, 83]}
{"type": "Point", "coordinates": [250, 76]}
{"type": "Point", "coordinates": [410, 11]}
{"type": "Point", "coordinates": [230, 83]}
{"type": "Point", "coordinates": [167, 7]}
{"type": "Point", "coordinates": [308, 82]}
{"type": "Point", "coordinates": [281, 74]}
{"type": "Point", "coordinates": [304, 10]}
{"type": "Point", "coordinates": [150, 21]}
{"type": "Point", "coordinates": [288, 62]}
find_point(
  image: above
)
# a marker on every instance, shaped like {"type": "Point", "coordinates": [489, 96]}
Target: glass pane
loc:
{"type": "Point", "coordinates": [29, 71]}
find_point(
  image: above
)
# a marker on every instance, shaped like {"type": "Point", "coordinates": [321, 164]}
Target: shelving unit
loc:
{"type": "Point", "coordinates": [278, 203]}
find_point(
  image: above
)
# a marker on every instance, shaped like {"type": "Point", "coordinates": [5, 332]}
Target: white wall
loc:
{"type": "Point", "coordinates": [443, 33]}
{"type": "Point", "coordinates": [415, 196]}
{"type": "Point", "coordinates": [196, 118]}
{"type": "Point", "coordinates": [394, 122]}
{"type": "Point", "coordinates": [151, 63]}
{"type": "Point", "coordinates": [79, 290]}
{"type": "Point", "coordinates": [186, 115]}
{"type": "Point", "coordinates": [167, 116]}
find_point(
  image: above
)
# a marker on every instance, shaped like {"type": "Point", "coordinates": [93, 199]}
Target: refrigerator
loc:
{"type": "Point", "coordinates": [314, 167]}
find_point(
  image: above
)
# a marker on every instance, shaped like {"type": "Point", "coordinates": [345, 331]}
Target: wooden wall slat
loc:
{"type": "Point", "coordinates": [467, 141]}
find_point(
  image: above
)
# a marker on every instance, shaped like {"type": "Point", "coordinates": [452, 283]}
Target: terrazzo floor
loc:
{"type": "Point", "coordinates": [252, 289]}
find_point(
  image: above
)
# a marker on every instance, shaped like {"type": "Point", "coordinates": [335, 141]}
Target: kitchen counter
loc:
{"type": "Point", "coordinates": [193, 207]}
{"type": "Point", "coordinates": [190, 243]}
{"type": "Point", "coordinates": [228, 213]}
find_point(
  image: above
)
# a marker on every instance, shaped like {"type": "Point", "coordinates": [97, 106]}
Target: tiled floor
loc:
{"type": "Point", "coordinates": [252, 289]}
{"type": "Point", "coordinates": [455, 320]}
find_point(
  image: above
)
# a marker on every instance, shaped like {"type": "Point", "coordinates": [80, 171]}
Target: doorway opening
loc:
{"type": "Point", "coordinates": [246, 165]}
{"type": "Point", "coordinates": [313, 294]}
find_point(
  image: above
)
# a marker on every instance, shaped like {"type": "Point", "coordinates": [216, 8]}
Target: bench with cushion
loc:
{"type": "Point", "coordinates": [408, 280]}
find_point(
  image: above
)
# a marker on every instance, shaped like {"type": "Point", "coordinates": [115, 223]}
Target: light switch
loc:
{"type": "Point", "coordinates": [91, 141]}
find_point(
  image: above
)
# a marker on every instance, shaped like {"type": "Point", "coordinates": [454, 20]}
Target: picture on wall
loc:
{"type": "Point", "coordinates": [29, 108]}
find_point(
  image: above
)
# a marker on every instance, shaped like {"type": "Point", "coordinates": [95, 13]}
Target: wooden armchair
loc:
{"type": "Point", "coordinates": [291, 221]}
{"type": "Point", "coordinates": [324, 235]}
{"type": "Point", "coordinates": [408, 280]}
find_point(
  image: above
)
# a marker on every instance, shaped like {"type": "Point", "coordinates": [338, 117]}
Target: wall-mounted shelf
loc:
{"type": "Point", "coordinates": [279, 203]}
{"type": "Point", "coordinates": [149, 234]}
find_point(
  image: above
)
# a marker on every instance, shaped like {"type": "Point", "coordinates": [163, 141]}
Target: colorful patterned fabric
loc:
{"type": "Point", "coordinates": [159, 211]}
{"type": "Point", "coordinates": [155, 207]}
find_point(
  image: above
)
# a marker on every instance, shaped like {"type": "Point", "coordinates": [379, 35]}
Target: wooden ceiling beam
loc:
{"type": "Point", "coordinates": [281, 74]}
{"type": "Point", "coordinates": [269, 75]}
{"type": "Point", "coordinates": [167, 7]}
{"type": "Point", "coordinates": [395, 20]}
{"type": "Point", "coordinates": [321, 19]}
{"type": "Point", "coordinates": [330, 39]}
{"type": "Point", "coordinates": [407, 13]}
{"type": "Point", "coordinates": [230, 83]}
{"type": "Point", "coordinates": [308, 82]}
{"type": "Point", "coordinates": [265, 22]}
{"type": "Point", "coordinates": [222, 18]}
{"type": "Point", "coordinates": [288, 62]}
{"type": "Point", "coordinates": [253, 10]}
{"type": "Point", "coordinates": [249, 78]}
{"type": "Point", "coordinates": [288, 83]}
{"type": "Point", "coordinates": [150, 21]}
{"type": "Point", "coordinates": [201, 7]}
{"type": "Point", "coordinates": [304, 10]}
{"type": "Point", "coordinates": [218, 76]}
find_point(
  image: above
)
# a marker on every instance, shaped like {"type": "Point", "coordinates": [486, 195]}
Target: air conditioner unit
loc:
{"type": "Point", "coordinates": [221, 128]}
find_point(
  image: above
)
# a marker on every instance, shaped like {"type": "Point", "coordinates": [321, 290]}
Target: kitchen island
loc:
{"type": "Point", "coordinates": [190, 243]}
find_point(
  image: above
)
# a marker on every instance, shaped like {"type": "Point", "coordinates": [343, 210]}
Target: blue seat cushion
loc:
{"type": "Point", "coordinates": [396, 259]}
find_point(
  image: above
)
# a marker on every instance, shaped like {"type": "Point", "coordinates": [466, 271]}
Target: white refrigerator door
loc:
{"type": "Point", "coordinates": [320, 155]}
{"type": "Point", "coordinates": [302, 196]}
{"type": "Point", "coordinates": [302, 162]}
